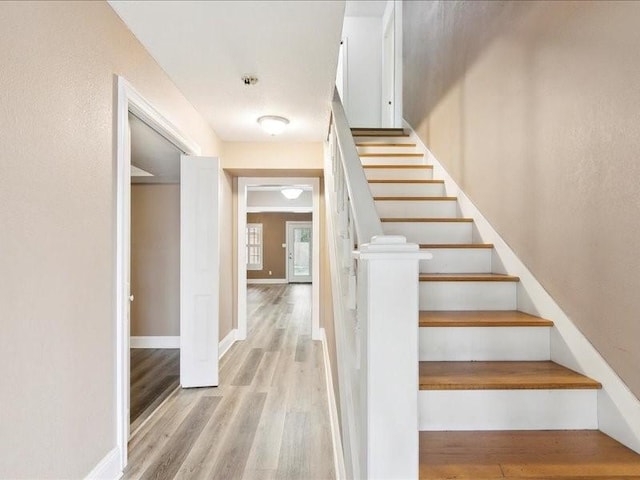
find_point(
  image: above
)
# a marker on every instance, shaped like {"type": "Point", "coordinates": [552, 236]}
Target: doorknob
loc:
{"type": "Point", "coordinates": [131, 298]}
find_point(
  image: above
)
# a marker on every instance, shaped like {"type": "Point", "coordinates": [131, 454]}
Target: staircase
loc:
{"type": "Point", "coordinates": [491, 402]}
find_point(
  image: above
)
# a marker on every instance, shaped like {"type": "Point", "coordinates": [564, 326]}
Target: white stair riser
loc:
{"type": "Point", "coordinates": [398, 173]}
{"type": "Point", "coordinates": [468, 296]}
{"type": "Point", "coordinates": [431, 232]}
{"type": "Point", "coordinates": [457, 260]}
{"type": "Point", "coordinates": [484, 343]}
{"type": "Point", "coordinates": [507, 409]}
{"type": "Point", "coordinates": [417, 208]}
{"type": "Point", "coordinates": [399, 160]}
{"type": "Point", "coordinates": [371, 149]}
{"type": "Point", "coordinates": [407, 189]}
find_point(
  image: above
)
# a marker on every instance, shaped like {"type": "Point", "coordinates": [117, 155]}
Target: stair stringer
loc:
{"type": "Point", "coordinates": [618, 407]}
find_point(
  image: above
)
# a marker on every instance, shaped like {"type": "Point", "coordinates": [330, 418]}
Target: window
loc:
{"type": "Point", "coordinates": [254, 246]}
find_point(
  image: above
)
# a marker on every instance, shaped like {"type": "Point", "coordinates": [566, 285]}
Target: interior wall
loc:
{"type": "Point", "coordinates": [57, 218]}
{"type": "Point", "coordinates": [254, 159]}
{"type": "Point", "coordinates": [364, 70]}
{"type": "Point", "coordinates": [533, 107]}
{"type": "Point", "coordinates": [155, 259]}
{"type": "Point", "coordinates": [274, 235]}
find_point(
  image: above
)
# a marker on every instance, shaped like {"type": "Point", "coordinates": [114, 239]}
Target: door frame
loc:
{"type": "Point", "coordinates": [392, 19]}
{"type": "Point", "coordinates": [241, 222]}
{"type": "Point", "coordinates": [129, 100]}
{"type": "Point", "coordinates": [293, 223]}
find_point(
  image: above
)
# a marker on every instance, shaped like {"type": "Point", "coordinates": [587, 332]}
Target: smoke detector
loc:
{"type": "Point", "coordinates": [249, 80]}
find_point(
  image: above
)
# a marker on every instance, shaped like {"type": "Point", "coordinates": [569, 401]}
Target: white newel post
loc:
{"type": "Point", "coordinates": [388, 315]}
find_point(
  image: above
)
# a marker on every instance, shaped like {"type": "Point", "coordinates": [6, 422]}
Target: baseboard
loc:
{"type": "Point", "coordinates": [108, 468]}
{"type": "Point", "coordinates": [259, 281]}
{"type": "Point", "coordinates": [227, 342]}
{"type": "Point", "coordinates": [155, 342]}
{"type": "Point", "coordinates": [338, 458]}
{"type": "Point", "coordinates": [618, 408]}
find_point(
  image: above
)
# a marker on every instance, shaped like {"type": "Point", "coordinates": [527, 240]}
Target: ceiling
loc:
{"type": "Point", "coordinates": [154, 159]}
{"type": "Point", "coordinates": [206, 47]}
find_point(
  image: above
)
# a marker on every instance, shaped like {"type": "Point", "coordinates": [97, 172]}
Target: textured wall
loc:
{"type": "Point", "coordinates": [57, 227]}
{"type": "Point", "coordinates": [534, 108]}
{"type": "Point", "coordinates": [274, 233]}
{"type": "Point", "coordinates": [155, 260]}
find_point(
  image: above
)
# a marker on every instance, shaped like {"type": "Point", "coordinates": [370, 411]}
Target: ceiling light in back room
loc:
{"type": "Point", "coordinates": [291, 193]}
{"type": "Point", "coordinates": [272, 124]}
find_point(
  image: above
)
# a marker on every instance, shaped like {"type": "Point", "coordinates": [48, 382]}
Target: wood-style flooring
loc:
{"type": "Point", "coordinates": [155, 374]}
{"type": "Point", "coordinates": [534, 455]}
{"type": "Point", "coordinates": [269, 417]}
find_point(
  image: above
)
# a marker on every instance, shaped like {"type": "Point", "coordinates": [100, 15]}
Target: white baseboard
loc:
{"type": "Point", "coordinates": [108, 468]}
{"type": "Point", "coordinates": [338, 457]}
{"type": "Point", "coordinates": [618, 408]}
{"type": "Point", "coordinates": [227, 342]}
{"type": "Point", "coordinates": [259, 281]}
{"type": "Point", "coordinates": [155, 342]}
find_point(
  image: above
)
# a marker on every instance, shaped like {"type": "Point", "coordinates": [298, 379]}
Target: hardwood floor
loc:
{"type": "Point", "coordinates": [269, 417]}
{"type": "Point", "coordinates": [155, 374]}
{"type": "Point", "coordinates": [535, 455]}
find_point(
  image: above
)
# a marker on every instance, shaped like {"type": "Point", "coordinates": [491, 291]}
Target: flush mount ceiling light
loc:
{"type": "Point", "coordinates": [291, 193]}
{"type": "Point", "coordinates": [272, 124]}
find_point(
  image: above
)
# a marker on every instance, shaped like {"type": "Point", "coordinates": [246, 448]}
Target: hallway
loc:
{"type": "Point", "coordinates": [269, 417]}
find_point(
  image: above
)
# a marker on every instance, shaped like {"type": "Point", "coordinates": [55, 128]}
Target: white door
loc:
{"type": "Point", "coordinates": [299, 252]}
{"type": "Point", "coordinates": [388, 73]}
{"type": "Point", "coordinates": [341, 75]}
{"type": "Point", "coordinates": [199, 271]}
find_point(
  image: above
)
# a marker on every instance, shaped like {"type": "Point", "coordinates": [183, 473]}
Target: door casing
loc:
{"type": "Point", "coordinates": [129, 100]}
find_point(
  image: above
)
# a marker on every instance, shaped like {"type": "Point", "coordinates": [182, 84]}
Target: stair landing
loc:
{"type": "Point", "coordinates": [567, 454]}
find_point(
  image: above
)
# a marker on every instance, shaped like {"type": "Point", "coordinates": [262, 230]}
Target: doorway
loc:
{"type": "Point", "coordinates": [199, 254]}
{"type": "Point", "coordinates": [244, 185]}
{"type": "Point", "coordinates": [154, 330]}
{"type": "Point", "coordinates": [299, 252]}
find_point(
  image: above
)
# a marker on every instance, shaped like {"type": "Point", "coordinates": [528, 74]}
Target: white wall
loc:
{"type": "Point", "coordinates": [363, 70]}
{"type": "Point", "coordinates": [275, 200]}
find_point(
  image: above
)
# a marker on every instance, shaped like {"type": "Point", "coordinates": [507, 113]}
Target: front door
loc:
{"type": "Point", "coordinates": [299, 252]}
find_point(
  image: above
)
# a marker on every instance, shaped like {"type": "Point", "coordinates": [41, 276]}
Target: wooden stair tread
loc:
{"type": "Point", "coordinates": [414, 199]}
{"type": "Point", "coordinates": [427, 219]}
{"type": "Point", "coordinates": [378, 134]}
{"type": "Point", "coordinates": [428, 246]}
{"type": "Point", "coordinates": [406, 181]}
{"type": "Point", "coordinates": [422, 167]}
{"type": "Point", "coordinates": [384, 144]}
{"type": "Point", "coordinates": [501, 376]}
{"type": "Point", "coordinates": [403, 155]}
{"type": "Point", "coordinates": [377, 129]}
{"type": "Point", "coordinates": [559, 454]}
{"type": "Point", "coordinates": [467, 277]}
{"type": "Point", "coordinates": [488, 318]}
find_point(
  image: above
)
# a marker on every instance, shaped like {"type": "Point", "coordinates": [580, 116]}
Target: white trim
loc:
{"type": "Point", "coordinates": [243, 184]}
{"type": "Point", "coordinates": [398, 79]}
{"type": "Point", "coordinates": [227, 342]}
{"type": "Point", "coordinates": [618, 408]}
{"type": "Point", "coordinates": [129, 100]}
{"type": "Point", "coordinates": [336, 439]}
{"type": "Point", "coordinates": [266, 281]}
{"type": "Point", "coordinates": [155, 342]}
{"type": "Point", "coordinates": [108, 468]}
